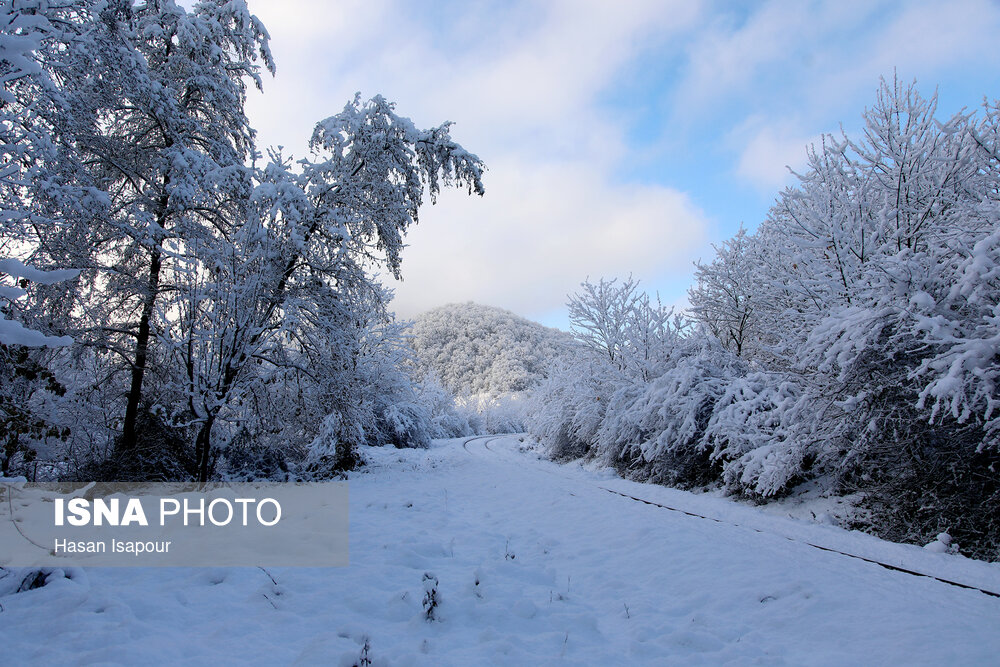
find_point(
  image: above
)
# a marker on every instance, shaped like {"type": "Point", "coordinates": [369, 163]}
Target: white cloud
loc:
{"type": "Point", "coordinates": [742, 90]}
{"type": "Point", "coordinates": [769, 151]}
{"type": "Point", "coordinates": [725, 58]}
{"type": "Point", "coordinates": [928, 36]}
{"type": "Point", "coordinates": [528, 82]}
{"type": "Point", "coordinates": [548, 228]}
{"type": "Point", "coordinates": [815, 64]}
{"type": "Point", "coordinates": [521, 81]}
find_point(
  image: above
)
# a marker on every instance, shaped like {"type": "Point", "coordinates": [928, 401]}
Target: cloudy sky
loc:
{"type": "Point", "coordinates": [621, 136]}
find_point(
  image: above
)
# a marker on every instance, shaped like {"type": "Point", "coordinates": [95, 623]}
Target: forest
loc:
{"type": "Point", "coordinates": [176, 304]}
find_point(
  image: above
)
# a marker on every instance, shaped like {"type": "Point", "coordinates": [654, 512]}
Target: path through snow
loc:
{"type": "Point", "coordinates": [535, 564]}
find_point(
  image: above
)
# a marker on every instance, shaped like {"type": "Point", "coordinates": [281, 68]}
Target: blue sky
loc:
{"type": "Point", "coordinates": [621, 137]}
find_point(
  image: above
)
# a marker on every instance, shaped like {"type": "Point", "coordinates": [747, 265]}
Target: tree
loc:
{"type": "Point", "coordinates": [185, 115]}
{"type": "Point", "coordinates": [866, 304]}
{"type": "Point", "coordinates": [600, 316]}
{"type": "Point", "coordinates": [482, 350]}
{"type": "Point", "coordinates": [27, 387]}
{"type": "Point", "coordinates": [621, 322]}
{"type": "Point", "coordinates": [723, 296]}
{"type": "Point", "coordinates": [210, 290]}
{"type": "Point", "coordinates": [293, 280]}
{"type": "Point", "coordinates": [143, 109]}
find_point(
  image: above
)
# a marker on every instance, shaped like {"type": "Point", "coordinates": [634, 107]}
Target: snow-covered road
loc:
{"type": "Point", "coordinates": [536, 563]}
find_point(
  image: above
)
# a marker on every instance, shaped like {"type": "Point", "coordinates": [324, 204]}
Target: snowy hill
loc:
{"type": "Point", "coordinates": [525, 562]}
{"type": "Point", "coordinates": [476, 349]}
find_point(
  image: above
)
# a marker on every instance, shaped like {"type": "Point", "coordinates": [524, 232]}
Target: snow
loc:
{"type": "Point", "coordinates": [15, 333]}
{"type": "Point", "coordinates": [942, 544]}
{"type": "Point", "coordinates": [534, 563]}
{"type": "Point", "coordinates": [18, 269]}
{"type": "Point", "coordinates": [922, 300]}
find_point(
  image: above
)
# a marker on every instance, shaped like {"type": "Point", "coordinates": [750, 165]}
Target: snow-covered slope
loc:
{"type": "Point", "coordinates": [535, 563]}
{"type": "Point", "coordinates": [476, 349]}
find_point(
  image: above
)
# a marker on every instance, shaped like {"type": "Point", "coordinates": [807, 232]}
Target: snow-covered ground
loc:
{"type": "Point", "coordinates": [535, 563]}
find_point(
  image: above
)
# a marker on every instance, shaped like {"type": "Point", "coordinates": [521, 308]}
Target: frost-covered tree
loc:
{"type": "Point", "coordinates": [600, 316]}
{"type": "Point", "coordinates": [214, 298]}
{"type": "Point", "coordinates": [28, 150]}
{"type": "Point", "coordinates": [29, 154]}
{"type": "Point", "coordinates": [474, 349]}
{"type": "Point", "coordinates": [622, 323]}
{"type": "Point", "coordinates": [865, 306]}
{"type": "Point", "coordinates": [723, 298]}
{"type": "Point", "coordinates": [294, 280]}
{"type": "Point", "coordinates": [642, 403]}
{"type": "Point", "coordinates": [143, 108]}
{"type": "Point", "coordinates": [186, 137]}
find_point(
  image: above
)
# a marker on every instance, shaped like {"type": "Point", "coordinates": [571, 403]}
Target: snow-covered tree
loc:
{"type": "Point", "coordinates": [600, 315]}
{"type": "Point", "coordinates": [591, 404]}
{"type": "Point", "coordinates": [142, 109]}
{"type": "Point", "coordinates": [209, 291]}
{"type": "Point", "coordinates": [297, 276]}
{"type": "Point", "coordinates": [723, 298]}
{"type": "Point", "coordinates": [474, 349]}
{"type": "Point", "coordinates": [865, 308]}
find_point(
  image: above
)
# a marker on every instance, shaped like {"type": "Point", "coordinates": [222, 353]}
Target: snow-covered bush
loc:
{"type": "Point", "coordinates": [853, 337]}
{"type": "Point", "coordinates": [567, 408]}
{"type": "Point", "coordinates": [674, 410]}
{"type": "Point", "coordinates": [448, 419]}
{"type": "Point", "coordinates": [769, 432]}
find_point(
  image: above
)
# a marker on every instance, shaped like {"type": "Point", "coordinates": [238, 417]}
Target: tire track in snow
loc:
{"type": "Point", "coordinates": [465, 445]}
{"type": "Point", "coordinates": [895, 568]}
{"type": "Point", "coordinates": [887, 566]}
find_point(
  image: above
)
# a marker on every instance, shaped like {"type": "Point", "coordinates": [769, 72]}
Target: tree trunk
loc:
{"type": "Point", "coordinates": [203, 448]}
{"type": "Point", "coordinates": [129, 436]}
